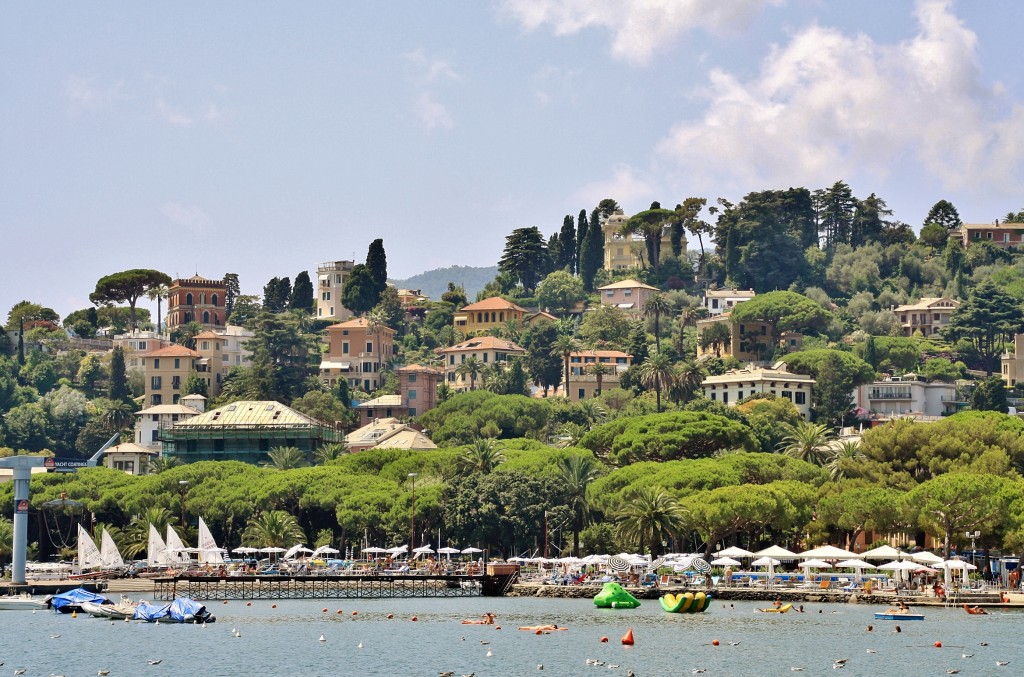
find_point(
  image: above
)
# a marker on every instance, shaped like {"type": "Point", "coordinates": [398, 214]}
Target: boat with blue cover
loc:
{"type": "Point", "coordinates": [181, 610]}
{"type": "Point", "coordinates": [71, 601]}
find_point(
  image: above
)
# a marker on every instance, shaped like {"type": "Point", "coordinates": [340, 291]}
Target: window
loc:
{"type": "Point", "coordinates": [581, 393]}
{"type": "Point", "coordinates": [714, 304]}
{"type": "Point", "coordinates": [188, 299]}
{"type": "Point", "coordinates": [142, 345]}
{"type": "Point", "coordinates": [725, 398]}
{"type": "Point", "coordinates": [412, 394]}
{"type": "Point", "coordinates": [788, 395]}
{"type": "Point", "coordinates": [739, 395]}
{"type": "Point", "coordinates": [337, 278]}
{"type": "Point", "coordinates": [412, 378]}
{"type": "Point", "coordinates": [156, 399]}
{"type": "Point", "coordinates": [988, 235]}
{"type": "Point", "coordinates": [627, 292]}
{"type": "Point", "coordinates": [412, 411]}
{"type": "Point", "coordinates": [206, 317]}
{"type": "Point", "coordinates": [156, 362]}
{"type": "Point", "coordinates": [177, 363]}
{"type": "Point", "coordinates": [344, 347]}
{"type": "Point", "coordinates": [154, 435]}
{"type": "Point", "coordinates": [801, 398]}
{"type": "Point", "coordinates": [213, 299]}
{"type": "Point", "coordinates": [175, 382]}
{"type": "Point", "coordinates": [155, 382]}
{"type": "Point", "coordinates": [204, 345]}
{"type": "Point", "coordinates": [369, 346]}
{"type": "Point", "coordinates": [485, 358]}
{"type": "Point", "coordinates": [610, 293]}
{"type": "Point", "coordinates": [218, 445]}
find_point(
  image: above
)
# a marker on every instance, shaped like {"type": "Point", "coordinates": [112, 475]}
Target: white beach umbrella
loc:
{"type": "Point", "coordinates": [470, 550]}
{"type": "Point", "coordinates": [398, 549]}
{"type": "Point", "coordinates": [734, 552]}
{"type": "Point", "coordinates": [272, 550]}
{"type": "Point", "coordinates": [857, 565]}
{"type": "Point", "coordinates": [776, 552]}
{"type": "Point", "coordinates": [884, 552]}
{"type": "Point", "coordinates": [245, 550]}
{"type": "Point", "coordinates": [769, 563]}
{"type": "Point", "coordinates": [815, 564]}
{"type": "Point", "coordinates": [925, 557]}
{"type": "Point", "coordinates": [827, 552]}
{"type": "Point", "coordinates": [725, 562]}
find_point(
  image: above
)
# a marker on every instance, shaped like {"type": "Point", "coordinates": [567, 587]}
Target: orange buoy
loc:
{"type": "Point", "coordinates": [938, 645]}
{"type": "Point", "coordinates": [414, 618]}
{"type": "Point", "coordinates": [604, 640]}
{"type": "Point", "coordinates": [248, 604]}
{"type": "Point", "coordinates": [497, 627]}
{"type": "Point", "coordinates": [714, 642]}
{"type": "Point", "coordinates": [355, 613]}
{"type": "Point", "coordinates": [225, 601]}
{"type": "Point", "coordinates": [273, 606]}
{"type": "Point", "coordinates": [627, 639]}
{"type": "Point", "coordinates": [339, 611]}
{"type": "Point", "coordinates": [391, 615]}
{"type": "Point", "coordinates": [325, 609]}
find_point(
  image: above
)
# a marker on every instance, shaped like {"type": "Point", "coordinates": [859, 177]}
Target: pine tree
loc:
{"type": "Point", "coordinates": [118, 390]}
{"type": "Point", "coordinates": [592, 252]}
{"type": "Point", "coordinates": [302, 293]}
{"type": "Point", "coordinates": [358, 293]}
{"type": "Point", "coordinates": [525, 256]}
{"type": "Point", "coordinates": [377, 265]}
{"type": "Point", "coordinates": [567, 245]}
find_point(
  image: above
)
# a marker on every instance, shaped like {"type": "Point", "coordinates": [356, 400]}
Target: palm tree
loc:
{"type": "Point", "coordinates": [657, 371]}
{"type": "Point", "coordinates": [598, 369]}
{"type": "Point", "coordinates": [273, 529]}
{"type": "Point", "coordinates": [6, 537]}
{"type": "Point", "coordinates": [482, 456]}
{"type": "Point", "coordinates": [569, 435]}
{"type": "Point", "coordinates": [158, 294]}
{"type": "Point", "coordinates": [845, 454]}
{"type": "Point", "coordinates": [117, 416]}
{"type": "Point", "coordinates": [472, 368]}
{"type": "Point", "coordinates": [136, 537]}
{"type": "Point", "coordinates": [655, 307]}
{"type": "Point", "coordinates": [330, 452]}
{"type": "Point", "coordinates": [161, 463]}
{"type": "Point", "coordinates": [806, 441]}
{"type": "Point", "coordinates": [564, 346]}
{"type": "Point", "coordinates": [286, 458]}
{"type": "Point", "coordinates": [688, 379]}
{"type": "Point", "coordinates": [578, 472]}
{"type": "Point", "coordinates": [593, 411]}
{"type": "Point", "coordinates": [649, 516]}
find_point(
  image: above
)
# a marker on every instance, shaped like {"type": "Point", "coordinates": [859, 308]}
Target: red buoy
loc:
{"type": "Point", "coordinates": [604, 640]}
{"type": "Point", "coordinates": [714, 642]}
{"type": "Point", "coordinates": [938, 645]}
{"type": "Point", "coordinates": [627, 638]}
{"type": "Point", "coordinates": [414, 618]}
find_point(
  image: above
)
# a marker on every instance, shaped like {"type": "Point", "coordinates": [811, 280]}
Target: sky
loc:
{"type": "Point", "coordinates": [262, 138]}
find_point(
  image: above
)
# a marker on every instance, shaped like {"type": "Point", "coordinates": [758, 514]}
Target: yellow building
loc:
{"type": "Point", "coordinates": [930, 315]}
{"type": "Point", "coordinates": [330, 280]}
{"type": "Point", "coordinates": [196, 299]}
{"type": "Point", "coordinates": [213, 368]}
{"type": "Point", "coordinates": [166, 371]}
{"type": "Point", "coordinates": [746, 341]}
{"type": "Point", "coordinates": [487, 350]}
{"type": "Point", "coordinates": [583, 382]}
{"type": "Point", "coordinates": [628, 251]}
{"type": "Point", "coordinates": [487, 314]}
{"type": "Point", "coordinates": [357, 352]}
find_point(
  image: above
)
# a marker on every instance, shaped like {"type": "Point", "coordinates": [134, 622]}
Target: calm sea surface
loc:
{"type": "Point", "coordinates": [285, 641]}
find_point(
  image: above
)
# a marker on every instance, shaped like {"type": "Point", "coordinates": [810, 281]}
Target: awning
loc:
{"type": "Point", "coordinates": [328, 364]}
{"type": "Point", "coordinates": [624, 306]}
{"type": "Point", "coordinates": [461, 318]}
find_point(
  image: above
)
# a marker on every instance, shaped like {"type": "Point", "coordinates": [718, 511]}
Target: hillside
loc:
{"type": "Point", "coordinates": [433, 283]}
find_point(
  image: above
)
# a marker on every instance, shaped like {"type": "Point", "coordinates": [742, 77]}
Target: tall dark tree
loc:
{"type": "Point", "coordinates": [832, 392]}
{"type": "Point", "coordinates": [650, 224]}
{"type": "Point", "coordinates": [592, 252]}
{"type": "Point", "coordinates": [377, 266]}
{"type": "Point", "coordinates": [567, 245]}
{"type": "Point", "coordinates": [525, 257]}
{"type": "Point", "coordinates": [359, 294]}
{"type": "Point", "coordinates": [990, 395]}
{"type": "Point", "coordinates": [581, 234]}
{"type": "Point", "coordinates": [606, 207]}
{"type": "Point", "coordinates": [128, 286]}
{"type": "Point", "coordinates": [118, 390]}
{"type": "Point", "coordinates": [544, 365]}
{"type": "Point", "coordinates": [836, 213]}
{"type": "Point", "coordinates": [232, 290]}
{"type": "Point", "coordinates": [281, 356]}
{"type": "Point", "coordinates": [276, 294]}
{"type": "Point", "coordinates": [554, 250]}
{"type": "Point", "coordinates": [988, 319]}
{"type": "Point", "coordinates": [944, 214]}
{"type": "Point", "coordinates": [302, 293]}
{"type": "Point", "coordinates": [868, 220]}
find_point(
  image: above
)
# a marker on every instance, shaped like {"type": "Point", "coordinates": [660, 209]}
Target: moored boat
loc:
{"type": "Point", "coordinates": [71, 601]}
{"type": "Point", "coordinates": [21, 602]}
{"type": "Point", "coordinates": [897, 616]}
{"type": "Point", "coordinates": [118, 612]}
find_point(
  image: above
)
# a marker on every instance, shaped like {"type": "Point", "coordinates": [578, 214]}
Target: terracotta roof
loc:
{"type": "Point", "coordinates": [419, 369]}
{"type": "Point", "coordinates": [173, 351]}
{"type": "Point", "coordinates": [483, 343]}
{"type": "Point", "coordinates": [493, 303]}
{"type": "Point", "coordinates": [355, 323]}
{"type": "Point", "coordinates": [210, 335]}
{"type": "Point", "coordinates": [600, 353]}
{"type": "Point", "coordinates": [993, 226]}
{"type": "Point", "coordinates": [628, 284]}
{"type": "Point", "coordinates": [730, 293]}
{"type": "Point", "coordinates": [929, 303]}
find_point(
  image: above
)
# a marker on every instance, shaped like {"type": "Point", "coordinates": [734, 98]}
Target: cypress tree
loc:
{"type": "Point", "coordinates": [231, 292]}
{"type": "Point", "coordinates": [377, 265]}
{"type": "Point", "coordinates": [581, 234]}
{"type": "Point", "coordinates": [302, 293]}
{"type": "Point", "coordinates": [567, 245]}
{"type": "Point", "coordinates": [118, 390]}
{"type": "Point", "coordinates": [592, 254]}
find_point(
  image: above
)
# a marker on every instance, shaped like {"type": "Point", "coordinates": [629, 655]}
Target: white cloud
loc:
{"type": "Point", "coordinates": [192, 217]}
{"type": "Point", "coordinates": [552, 83]}
{"type": "Point", "coordinates": [171, 116]}
{"type": "Point", "coordinates": [431, 113]}
{"type": "Point", "coordinates": [83, 92]}
{"type": "Point", "coordinates": [639, 27]}
{"type": "Point", "coordinates": [624, 186]}
{"type": "Point", "coordinates": [428, 70]}
{"type": "Point", "coordinates": [827, 104]}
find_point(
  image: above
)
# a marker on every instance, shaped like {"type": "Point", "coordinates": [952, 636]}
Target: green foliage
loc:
{"type": "Point", "coordinates": [648, 517]}
{"type": "Point", "coordinates": [988, 318]}
{"type": "Point", "coordinates": [276, 294]}
{"type": "Point", "coordinates": [359, 293]}
{"type": "Point", "coordinates": [852, 369]}
{"type": "Point", "coordinates": [127, 287]}
{"type": "Point", "coordinates": [118, 387]}
{"type": "Point", "coordinates": [783, 311]}
{"type": "Point", "coordinates": [767, 419]}
{"type": "Point", "coordinates": [560, 291]}
{"type": "Point", "coordinates": [24, 313]}
{"type": "Point", "coordinates": [667, 437]}
{"type": "Point", "coordinates": [302, 297]}
{"type": "Point", "coordinates": [990, 395]}
{"type": "Point", "coordinates": [525, 256]}
{"type": "Point", "coordinates": [457, 421]}
{"type": "Point", "coordinates": [591, 252]}
{"type": "Point", "coordinates": [433, 283]}
{"type": "Point", "coordinates": [195, 385]}
{"type": "Point", "coordinates": [957, 502]}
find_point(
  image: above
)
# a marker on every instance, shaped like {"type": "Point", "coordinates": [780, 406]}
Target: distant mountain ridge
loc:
{"type": "Point", "coordinates": [433, 283]}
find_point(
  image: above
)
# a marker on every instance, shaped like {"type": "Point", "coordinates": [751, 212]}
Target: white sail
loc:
{"type": "Point", "coordinates": [88, 554]}
{"type": "Point", "coordinates": [111, 556]}
{"type": "Point", "coordinates": [175, 548]}
{"type": "Point", "coordinates": [209, 553]}
{"type": "Point", "coordinates": [157, 553]}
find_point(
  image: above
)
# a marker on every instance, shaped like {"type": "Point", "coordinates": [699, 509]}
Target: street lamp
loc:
{"type": "Point", "coordinates": [182, 488]}
{"type": "Point", "coordinates": [972, 535]}
{"type": "Point", "coordinates": [412, 516]}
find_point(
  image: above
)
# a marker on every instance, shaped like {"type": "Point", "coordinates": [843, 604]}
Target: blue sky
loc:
{"type": "Point", "coordinates": [262, 138]}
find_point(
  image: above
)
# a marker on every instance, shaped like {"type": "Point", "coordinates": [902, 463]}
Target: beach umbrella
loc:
{"type": "Point", "coordinates": [451, 551]}
{"type": "Point", "coordinates": [776, 552]}
{"type": "Point", "coordinates": [899, 567]}
{"type": "Point", "coordinates": [884, 552]}
{"type": "Point", "coordinates": [815, 564]}
{"type": "Point", "coordinates": [470, 550]}
{"type": "Point", "coordinates": [619, 565]}
{"type": "Point", "coordinates": [272, 550]}
{"type": "Point", "coordinates": [245, 550]}
{"type": "Point", "coordinates": [827, 552]}
{"type": "Point", "coordinates": [966, 579]}
{"type": "Point", "coordinates": [769, 563]}
{"type": "Point", "coordinates": [857, 565]}
{"type": "Point", "coordinates": [925, 557]}
{"type": "Point", "coordinates": [734, 552]}
{"type": "Point", "coordinates": [398, 549]}
{"type": "Point", "coordinates": [725, 562]}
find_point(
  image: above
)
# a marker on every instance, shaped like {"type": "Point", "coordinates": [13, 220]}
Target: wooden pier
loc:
{"type": "Point", "coordinates": [345, 586]}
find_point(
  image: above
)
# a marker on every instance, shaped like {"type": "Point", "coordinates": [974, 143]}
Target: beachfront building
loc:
{"type": "Point", "coordinates": [584, 382]}
{"type": "Point", "coordinates": [330, 279]}
{"type": "Point", "coordinates": [129, 457]}
{"type": "Point", "coordinates": [245, 431]}
{"type": "Point", "coordinates": [626, 251]}
{"type": "Point", "coordinates": [357, 351]}
{"type": "Point", "coordinates": [166, 371]}
{"type": "Point", "coordinates": [488, 314]}
{"type": "Point", "coordinates": [627, 295]}
{"type": "Point", "coordinates": [746, 341]}
{"type": "Point", "coordinates": [488, 350]}
{"type": "Point", "coordinates": [196, 299]}
{"type": "Point", "coordinates": [907, 396]}
{"type": "Point", "coordinates": [719, 301]}
{"type": "Point", "coordinates": [1005, 235]}
{"type": "Point", "coordinates": [930, 315]}
{"type": "Point", "coordinates": [732, 386]}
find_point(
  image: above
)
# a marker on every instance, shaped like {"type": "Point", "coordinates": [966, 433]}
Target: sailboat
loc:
{"type": "Point", "coordinates": [209, 553]}
{"type": "Point", "coordinates": [109, 553]}
{"type": "Point", "coordinates": [89, 556]}
{"type": "Point", "coordinates": [157, 555]}
{"type": "Point", "coordinates": [175, 548]}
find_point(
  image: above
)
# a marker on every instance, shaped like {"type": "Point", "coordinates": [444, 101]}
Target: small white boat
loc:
{"type": "Point", "coordinates": [21, 602]}
{"type": "Point", "coordinates": [117, 612]}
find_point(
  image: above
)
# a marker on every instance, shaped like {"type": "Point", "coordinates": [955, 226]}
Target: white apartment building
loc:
{"type": "Point", "coordinates": [732, 386]}
{"type": "Point", "coordinates": [718, 301]}
{"type": "Point", "coordinates": [907, 396]}
{"type": "Point", "coordinates": [330, 278]}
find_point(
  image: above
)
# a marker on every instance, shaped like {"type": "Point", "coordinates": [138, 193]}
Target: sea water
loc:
{"type": "Point", "coordinates": [262, 639]}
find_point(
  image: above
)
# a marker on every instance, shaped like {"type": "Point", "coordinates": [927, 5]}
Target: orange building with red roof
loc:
{"type": "Point", "coordinates": [166, 371]}
{"type": "Point", "coordinates": [357, 351]}
{"type": "Point", "coordinates": [487, 314]}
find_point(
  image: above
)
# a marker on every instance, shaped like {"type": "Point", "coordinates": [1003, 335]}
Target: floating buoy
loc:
{"type": "Point", "coordinates": [224, 602]}
{"type": "Point", "coordinates": [322, 638]}
{"type": "Point", "coordinates": [273, 606]}
{"type": "Point", "coordinates": [248, 604]}
{"type": "Point", "coordinates": [414, 618]}
{"type": "Point", "coordinates": [714, 642]}
{"type": "Point", "coordinates": [339, 611]}
{"type": "Point", "coordinates": [627, 639]}
{"type": "Point", "coordinates": [937, 645]}
{"type": "Point", "coordinates": [497, 627]}
{"type": "Point", "coordinates": [489, 653]}
{"type": "Point", "coordinates": [74, 614]}
{"type": "Point", "coordinates": [604, 640]}
{"type": "Point", "coordinates": [355, 613]}
{"type": "Point", "coordinates": [325, 609]}
{"type": "Point", "coordinates": [359, 646]}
